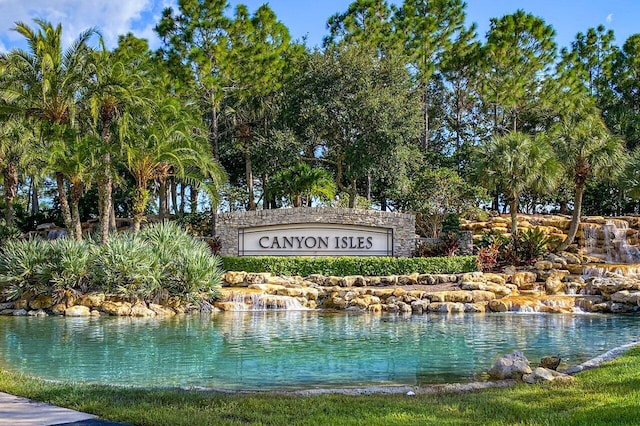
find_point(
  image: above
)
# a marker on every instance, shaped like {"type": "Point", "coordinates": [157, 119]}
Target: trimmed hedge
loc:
{"type": "Point", "coordinates": [344, 266]}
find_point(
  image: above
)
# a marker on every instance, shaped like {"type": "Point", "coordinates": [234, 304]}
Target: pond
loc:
{"type": "Point", "coordinates": [297, 349]}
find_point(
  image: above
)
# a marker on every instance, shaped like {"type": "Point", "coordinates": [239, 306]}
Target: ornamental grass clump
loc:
{"type": "Point", "coordinates": [22, 268]}
{"type": "Point", "coordinates": [189, 269]}
{"type": "Point", "coordinates": [127, 265]}
{"type": "Point", "coordinates": [68, 265]}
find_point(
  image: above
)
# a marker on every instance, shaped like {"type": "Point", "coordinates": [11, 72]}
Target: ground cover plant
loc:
{"type": "Point", "coordinates": [604, 396]}
{"type": "Point", "coordinates": [159, 262]}
{"type": "Point", "coordinates": [345, 266]}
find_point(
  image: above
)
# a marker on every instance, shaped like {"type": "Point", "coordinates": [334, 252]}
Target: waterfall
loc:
{"type": "Point", "coordinates": [241, 301]}
{"type": "Point", "coordinates": [609, 242]}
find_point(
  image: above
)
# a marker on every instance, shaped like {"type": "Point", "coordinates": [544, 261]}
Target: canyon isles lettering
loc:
{"type": "Point", "coordinates": [360, 243]}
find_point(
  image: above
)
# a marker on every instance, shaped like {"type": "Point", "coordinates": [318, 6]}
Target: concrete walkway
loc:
{"type": "Point", "coordinates": [17, 411]}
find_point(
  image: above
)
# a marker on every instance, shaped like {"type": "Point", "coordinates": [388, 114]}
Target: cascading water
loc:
{"type": "Point", "coordinates": [609, 242]}
{"type": "Point", "coordinates": [252, 301]}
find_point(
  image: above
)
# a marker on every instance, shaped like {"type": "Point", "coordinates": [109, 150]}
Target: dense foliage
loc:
{"type": "Point", "coordinates": [162, 261]}
{"type": "Point", "coordinates": [344, 266]}
{"type": "Point", "coordinates": [405, 107]}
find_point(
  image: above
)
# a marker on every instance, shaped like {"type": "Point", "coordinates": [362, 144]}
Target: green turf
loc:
{"type": "Point", "coordinates": [604, 396]}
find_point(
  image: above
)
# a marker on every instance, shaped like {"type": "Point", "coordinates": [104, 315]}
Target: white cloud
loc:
{"type": "Point", "coordinates": [111, 18]}
{"type": "Point", "coordinates": [609, 18]}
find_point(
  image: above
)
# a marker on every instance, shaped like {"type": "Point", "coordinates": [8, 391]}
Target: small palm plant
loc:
{"type": "Point", "coordinates": [22, 266]}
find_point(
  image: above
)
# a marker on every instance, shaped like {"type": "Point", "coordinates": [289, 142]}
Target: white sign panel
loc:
{"type": "Point", "coordinates": [315, 240]}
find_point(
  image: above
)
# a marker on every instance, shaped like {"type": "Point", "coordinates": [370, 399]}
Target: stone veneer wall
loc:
{"type": "Point", "coordinates": [403, 225]}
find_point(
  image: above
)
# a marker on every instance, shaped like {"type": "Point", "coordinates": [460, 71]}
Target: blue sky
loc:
{"type": "Point", "coordinates": [307, 17]}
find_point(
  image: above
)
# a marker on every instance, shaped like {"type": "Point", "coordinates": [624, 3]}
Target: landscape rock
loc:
{"type": "Point", "coordinates": [511, 366]}
{"type": "Point", "coordinates": [77, 311]}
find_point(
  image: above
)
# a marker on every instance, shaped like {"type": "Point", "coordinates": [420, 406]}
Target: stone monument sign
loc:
{"type": "Point", "coordinates": [316, 232]}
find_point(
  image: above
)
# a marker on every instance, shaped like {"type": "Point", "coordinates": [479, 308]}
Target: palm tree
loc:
{"type": "Point", "coordinates": [167, 146]}
{"type": "Point", "coordinates": [514, 163]}
{"type": "Point", "coordinates": [74, 159]}
{"type": "Point", "coordinates": [110, 97]}
{"type": "Point", "coordinates": [302, 181]}
{"type": "Point", "coordinates": [14, 144]}
{"type": "Point", "coordinates": [46, 84]}
{"type": "Point", "coordinates": [588, 151]}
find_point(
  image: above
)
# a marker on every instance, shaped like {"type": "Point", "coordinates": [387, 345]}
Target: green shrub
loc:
{"type": "Point", "coordinates": [22, 268]}
{"type": "Point", "coordinates": [343, 266]}
{"type": "Point", "coordinates": [161, 261]}
{"type": "Point", "coordinates": [127, 265]}
{"type": "Point", "coordinates": [68, 265]}
{"type": "Point", "coordinates": [188, 268]}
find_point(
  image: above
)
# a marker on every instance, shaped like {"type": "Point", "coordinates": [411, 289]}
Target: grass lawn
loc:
{"type": "Point", "coordinates": [604, 396]}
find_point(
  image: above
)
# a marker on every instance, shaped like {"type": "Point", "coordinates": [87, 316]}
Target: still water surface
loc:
{"type": "Point", "coordinates": [297, 349]}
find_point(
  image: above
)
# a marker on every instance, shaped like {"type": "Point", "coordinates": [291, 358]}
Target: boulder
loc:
{"type": "Point", "coordinates": [554, 285]}
{"type": "Point", "coordinates": [58, 309]}
{"type": "Point", "coordinates": [480, 307]}
{"type": "Point", "coordinates": [473, 285]}
{"type": "Point", "coordinates": [550, 362]}
{"type": "Point", "coordinates": [538, 375]}
{"type": "Point", "coordinates": [482, 296]}
{"type": "Point", "coordinates": [120, 309]}
{"type": "Point", "coordinates": [19, 312]}
{"type": "Point", "coordinates": [234, 278]}
{"type": "Point", "coordinates": [426, 279]}
{"type": "Point", "coordinates": [354, 281]}
{"type": "Point", "coordinates": [543, 265]}
{"type": "Point", "coordinates": [41, 302]}
{"type": "Point", "coordinates": [625, 296]}
{"type": "Point", "coordinates": [419, 306]}
{"type": "Point", "coordinates": [77, 311]}
{"type": "Point", "coordinates": [446, 307]}
{"type": "Point", "coordinates": [511, 366]}
{"type": "Point", "coordinates": [541, 375]}
{"type": "Point", "coordinates": [257, 278]}
{"type": "Point", "coordinates": [376, 309]}
{"type": "Point", "coordinates": [161, 311]}
{"type": "Point", "coordinates": [140, 310]}
{"type": "Point", "coordinates": [523, 277]}
{"type": "Point", "coordinates": [91, 300]}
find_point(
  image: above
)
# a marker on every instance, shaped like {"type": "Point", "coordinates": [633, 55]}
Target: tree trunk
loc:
{"type": "Point", "coordinates": [140, 200]}
{"type": "Point", "coordinates": [10, 191]}
{"type": "Point", "coordinates": [214, 133]}
{"type": "Point", "coordinates": [249, 178]}
{"type": "Point", "coordinates": [495, 204]}
{"type": "Point", "coordinates": [193, 199]}
{"type": "Point", "coordinates": [162, 198]}
{"type": "Point", "coordinates": [182, 195]}
{"type": "Point", "coordinates": [575, 219]}
{"type": "Point", "coordinates": [425, 130]}
{"type": "Point", "coordinates": [64, 204]}
{"type": "Point", "coordinates": [513, 210]}
{"type": "Point", "coordinates": [76, 194]}
{"type": "Point", "coordinates": [266, 204]}
{"type": "Point", "coordinates": [353, 194]}
{"type": "Point", "coordinates": [35, 202]}
{"type": "Point", "coordinates": [174, 195]}
{"type": "Point", "coordinates": [105, 184]}
{"type": "Point", "coordinates": [563, 206]}
{"type": "Point", "coordinates": [113, 223]}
